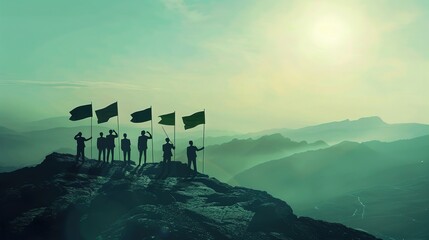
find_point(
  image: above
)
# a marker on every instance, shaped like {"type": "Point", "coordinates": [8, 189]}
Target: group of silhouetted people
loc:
{"type": "Point", "coordinates": [108, 143]}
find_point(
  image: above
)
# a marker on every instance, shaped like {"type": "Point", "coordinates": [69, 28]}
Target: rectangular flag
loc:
{"type": "Point", "coordinates": [194, 120]}
{"type": "Point", "coordinates": [81, 112]}
{"type": "Point", "coordinates": [168, 119]}
{"type": "Point", "coordinates": [142, 116]}
{"type": "Point", "coordinates": [104, 114]}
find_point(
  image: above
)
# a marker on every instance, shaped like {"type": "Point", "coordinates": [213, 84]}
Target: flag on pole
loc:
{"type": "Point", "coordinates": [81, 112]}
{"type": "Point", "coordinates": [142, 116]}
{"type": "Point", "coordinates": [104, 114]}
{"type": "Point", "coordinates": [168, 119]}
{"type": "Point", "coordinates": [194, 120]}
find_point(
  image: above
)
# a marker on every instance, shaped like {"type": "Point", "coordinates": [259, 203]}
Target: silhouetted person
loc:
{"type": "Point", "coordinates": [101, 146]}
{"type": "Point", "coordinates": [166, 148]}
{"type": "Point", "coordinates": [126, 148]}
{"type": "Point", "coordinates": [192, 155]}
{"type": "Point", "coordinates": [80, 145]}
{"type": "Point", "coordinates": [110, 144]}
{"type": "Point", "coordinates": [142, 145]}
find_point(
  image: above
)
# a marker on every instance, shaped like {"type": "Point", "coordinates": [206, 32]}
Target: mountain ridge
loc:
{"type": "Point", "coordinates": [384, 178]}
{"type": "Point", "coordinates": [62, 199]}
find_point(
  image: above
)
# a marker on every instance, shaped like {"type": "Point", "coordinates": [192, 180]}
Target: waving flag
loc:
{"type": "Point", "coordinates": [142, 116]}
{"type": "Point", "coordinates": [194, 120]}
{"type": "Point", "coordinates": [81, 112]}
{"type": "Point", "coordinates": [104, 114]}
{"type": "Point", "coordinates": [168, 119]}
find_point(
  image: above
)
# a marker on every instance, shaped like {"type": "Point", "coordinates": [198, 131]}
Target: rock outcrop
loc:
{"type": "Point", "coordinates": [60, 199]}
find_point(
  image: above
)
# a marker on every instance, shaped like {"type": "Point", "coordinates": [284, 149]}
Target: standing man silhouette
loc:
{"type": "Point", "coordinates": [110, 144]}
{"type": "Point", "coordinates": [80, 145]}
{"type": "Point", "coordinates": [192, 155]}
{"type": "Point", "coordinates": [166, 148]}
{"type": "Point", "coordinates": [142, 145]}
{"type": "Point", "coordinates": [101, 146]}
{"type": "Point", "coordinates": [126, 148]}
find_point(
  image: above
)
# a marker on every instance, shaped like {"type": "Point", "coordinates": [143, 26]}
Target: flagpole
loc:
{"type": "Point", "coordinates": [91, 130]}
{"type": "Point", "coordinates": [119, 142]}
{"type": "Point", "coordinates": [151, 129]}
{"type": "Point", "coordinates": [204, 134]}
{"type": "Point", "coordinates": [174, 152]}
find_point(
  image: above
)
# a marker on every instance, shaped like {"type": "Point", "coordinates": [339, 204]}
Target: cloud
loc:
{"type": "Point", "coordinates": [182, 8]}
{"type": "Point", "coordinates": [74, 84]}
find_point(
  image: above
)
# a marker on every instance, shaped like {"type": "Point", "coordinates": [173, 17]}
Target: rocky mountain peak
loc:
{"type": "Point", "coordinates": [62, 199]}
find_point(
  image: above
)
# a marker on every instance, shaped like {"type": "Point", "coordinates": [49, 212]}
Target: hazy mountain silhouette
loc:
{"type": "Point", "coordinates": [361, 130]}
{"type": "Point", "coordinates": [4, 130]}
{"type": "Point", "coordinates": [61, 200]}
{"type": "Point", "coordinates": [390, 179]}
{"type": "Point", "coordinates": [226, 160]}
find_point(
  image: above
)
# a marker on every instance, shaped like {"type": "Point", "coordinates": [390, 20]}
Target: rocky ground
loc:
{"type": "Point", "coordinates": [62, 199]}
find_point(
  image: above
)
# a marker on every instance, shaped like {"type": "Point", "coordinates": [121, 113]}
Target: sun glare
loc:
{"type": "Point", "coordinates": [331, 32]}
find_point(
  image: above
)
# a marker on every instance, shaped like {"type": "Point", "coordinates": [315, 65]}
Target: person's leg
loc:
{"type": "Point", "coordinates": [99, 154]}
{"type": "Point", "coordinates": [140, 157]}
{"type": "Point", "coordinates": [77, 154]}
{"type": "Point", "coordinates": [125, 156]}
{"type": "Point", "coordinates": [129, 157]}
{"type": "Point", "coordinates": [195, 165]}
{"type": "Point", "coordinates": [83, 154]}
{"type": "Point", "coordinates": [104, 155]}
{"type": "Point", "coordinates": [168, 160]}
{"type": "Point", "coordinates": [145, 150]}
{"type": "Point", "coordinates": [108, 154]}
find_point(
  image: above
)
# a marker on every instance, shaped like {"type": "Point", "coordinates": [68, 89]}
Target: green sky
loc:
{"type": "Point", "coordinates": [251, 64]}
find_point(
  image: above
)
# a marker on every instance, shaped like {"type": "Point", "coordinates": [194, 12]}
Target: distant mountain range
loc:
{"type": "Point", "coordinates": [361, 130]}
{"type": "Point", "coordinates": [388, 181]}
{"type": "Point", "coordinates": [226, 160]}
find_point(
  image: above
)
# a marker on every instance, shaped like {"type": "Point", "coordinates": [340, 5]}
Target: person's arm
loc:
{"type": "Point", "coordinates": [172, 146]}
{"type": "Point", "coordinates": [88, 139]}
{"type": "Point", "coordinates": [150, 135]}
{"type": "Point", "coordinates": [116, 134]}
{"type": "Point", "coordinates": [75, 137]}
{"type": "Point", "coordinates": [199, 149]}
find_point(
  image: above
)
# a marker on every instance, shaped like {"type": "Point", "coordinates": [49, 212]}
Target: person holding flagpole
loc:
{"type": "Point", "coordinates": [80, 146]}
{"type": "Point", "coordinates": [169, 119]}
{"type": "Point", "coordinates": [103, 115]}
{"type": "Point", "coordinates": [167, 154]}
{"type": "Point", "coordinates": [140, 117]}
{"type": "Point", "coordinates": [191, 152]}
{"type": "Point", "coordinates": [194, 120]}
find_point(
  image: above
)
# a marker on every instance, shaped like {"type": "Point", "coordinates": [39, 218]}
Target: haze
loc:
{"type": "Point", "coordinates": [251, 64]}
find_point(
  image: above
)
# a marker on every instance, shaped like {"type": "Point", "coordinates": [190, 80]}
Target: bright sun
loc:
{"type": "Point", "coordinates": [331, 32]}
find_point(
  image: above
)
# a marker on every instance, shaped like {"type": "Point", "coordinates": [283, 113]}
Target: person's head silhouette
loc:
{"type": "Point", "coordinates": [110, 131]}
{"type": "Point", "coordinates": [167, 140]}
{"type": "Point", "coordinates": [125, 135]}
{"type": "Point", "coordinates": [143, 132]}
{"type": "Point", "coordinates": [191, 143]}
{"type": "Point", "coordinates": [101, 134]}
{"type": "Point", "coordinates": [79, 134]}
